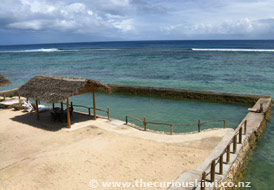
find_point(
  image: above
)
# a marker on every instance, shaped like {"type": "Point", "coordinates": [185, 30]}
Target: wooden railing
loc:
{"type": "Point", "coordinates": [91, 108]}
{"type": "Point", "coordinates": [199, 124]}
{"type": "Point", "coordinates": [237, 138]}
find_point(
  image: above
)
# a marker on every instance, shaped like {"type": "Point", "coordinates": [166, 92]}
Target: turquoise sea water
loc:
{"type": "Point", "coordinates": [224, 66]}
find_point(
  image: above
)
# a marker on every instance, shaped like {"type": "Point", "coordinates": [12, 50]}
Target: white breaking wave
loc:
{"type": "Point", "coordinates": [105, 49]}
{"type": "Point", "coordinates": [35, 50]}
{"type": "Point", "coordinates": [42, 50]}
{"type": "Point", "coordinates": [248, 50]}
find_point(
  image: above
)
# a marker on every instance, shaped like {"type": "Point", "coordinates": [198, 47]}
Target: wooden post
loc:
{"type": "Point", "coordinates": [126, 119]}
{"type": "Point", "coordinates": [235, 144]}
{"type": "Point", "coordinates": [212, 171]}
{"type": "Point", "coordinates": [199, 125]}
{"type": "Point", "coordinates": [224, 124]}
{"type": "Point", "coordinates": [221, 164]}
{"type": "Point", "coordinates": [52, 105]}
{"type": "Point", "coordinates": [228, 153]}
{"type": "Point", "coordinates": [68, 114]}
{"type": "Point", "coordinates": [37, 110]}
{"type": "Point", "coordinates": [62, 106]}
{"type": "Point", "coordinates": [245, 127]}
{"type": "Point", "coordinates": [88, 111]}
{"type": "Point", "coordinates": [94, 106]}
{"type": "Point", "coordinates": [108, 112]}
{"type": "Point", "coordinates": [145, 124]}
{"type": "Point", "coordinates": [240, 135]}
{"type": "Point", "coordinates": [203, 181]}
{"type": "Point", "coordinates": [171, 129]}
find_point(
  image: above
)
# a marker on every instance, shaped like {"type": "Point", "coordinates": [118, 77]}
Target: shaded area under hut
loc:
{"type": "Point", "coordinates": [55, 89]}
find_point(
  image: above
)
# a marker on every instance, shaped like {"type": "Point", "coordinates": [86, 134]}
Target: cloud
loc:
{"type": "Point", "coordinates": [139, 19]}
{"type": "Point", "coordinates": [44, 15]}
{"type": "Point", "coordinates": [229, 27]}
{"type": "Point", "coordinates": [28, 25]}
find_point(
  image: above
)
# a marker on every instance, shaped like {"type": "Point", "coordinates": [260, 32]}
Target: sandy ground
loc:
{"type": "Point", "coordinates": [40, 155]}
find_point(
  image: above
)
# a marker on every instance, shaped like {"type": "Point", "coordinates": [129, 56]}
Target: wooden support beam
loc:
{"type": "Point", "coordinates": [68, 114]}
{"type": "Point", "coordinates": [203, 181]}
{"type": "Point", "coordinates": [228, 153]}
{"type": "Point", "coordinates": [94, 106]}
{"type": "Point", "coordinates": [108, 112]}
{"type": "Point", "coordinates": [52, 105]}
{"type": "Point", "coordinates": [171, 129]}
{"type": "Point", "coordinates": [212, 171]}
{"type": "Point", "coordinates": [234, 144]}
{"type": "Point", "coordinates": [240, 135]}
{"type": "Point", "coordinates": [62, 106]}
{"type": "Point", "coordinates": [145, 124]}
{"type": "Point", "coordinates": [245, 127]}
{"type": "Point", "coordinates": [221, 164]}
{"type": "Point", "coordinates": [199, 125]}
{"type": "Point", "coordinates": [36, 109]}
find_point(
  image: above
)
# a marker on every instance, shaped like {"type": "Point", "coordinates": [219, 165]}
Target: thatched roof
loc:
{"type": "Point", "coordinates": [4, 81]}
{"type": "Point", "coordinates": [56, 89]}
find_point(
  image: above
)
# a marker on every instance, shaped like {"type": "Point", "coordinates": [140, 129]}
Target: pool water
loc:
{"type": "Point", "coordinates": [165, 110]}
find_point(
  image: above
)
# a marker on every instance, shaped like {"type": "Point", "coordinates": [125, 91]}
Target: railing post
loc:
{"type": "Point", "coordinates": [171, 129]}
{"type": "Point", "coordinates": [145, 124]}
{"type": "Point", "coordinates": [126, 119]}
{"type": "Point", "coordinates": [199, 125]}
{"type": "Point", "coordinates": [108, 112]}
{"type": "Point", "coordinates": [240, 135]}
{"type": "Point", "coordinates": [221, 164]}
{"type": "Point", "coordinates": [212, 171]}
{"type": "Point", "coordinates": [245, 127]}
{"type": "Point", "coordinates": [88, 111]}
{"type": "Point", "coordinates": [228, 153]}
{"type": "Point", "coordinates": [235, 144]}
{"type": "Point", "coordinates": [224, 124]}
{"type": "Point", "coordinates": [203, 181]}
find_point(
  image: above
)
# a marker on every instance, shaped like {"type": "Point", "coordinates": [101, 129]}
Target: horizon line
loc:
{"type": "Point", "coordinates": [110, 41]}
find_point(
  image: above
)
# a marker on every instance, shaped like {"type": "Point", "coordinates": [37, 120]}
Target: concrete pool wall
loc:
{"type": "Point", "coordinates": [232, 170]}
{"type": "Point", "coordinates": [185, 94]}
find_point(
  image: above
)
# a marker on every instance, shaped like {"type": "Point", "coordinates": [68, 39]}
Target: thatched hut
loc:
{"type": "Point", "coordinates": [53, 89]}
{"type": "Point", "coordinates": [4, 81]}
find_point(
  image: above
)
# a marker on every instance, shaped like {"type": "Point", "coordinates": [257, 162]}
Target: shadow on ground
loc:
{"type": "Point", "coordinates": [46, 123]}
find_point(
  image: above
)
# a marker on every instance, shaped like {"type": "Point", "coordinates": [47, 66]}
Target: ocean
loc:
{"type": "Point", "coordinates": [235, 66]}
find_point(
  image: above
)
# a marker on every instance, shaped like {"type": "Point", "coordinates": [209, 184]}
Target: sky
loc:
{"type": "Point", "coordinates": [52, 21]}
